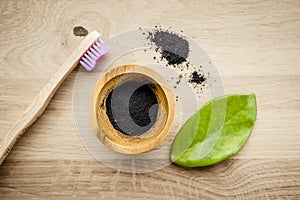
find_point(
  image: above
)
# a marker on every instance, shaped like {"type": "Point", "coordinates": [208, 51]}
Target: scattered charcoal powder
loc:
{"type": "Point", "coordinates": [138, 111]}
{"type": "Point", "coordinates": [197, 78]}
{"type": "Point", "coordinates": [173, 48]}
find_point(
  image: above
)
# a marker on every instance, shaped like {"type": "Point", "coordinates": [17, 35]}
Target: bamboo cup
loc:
{"type": "Point", "coordinates": [103, 128]}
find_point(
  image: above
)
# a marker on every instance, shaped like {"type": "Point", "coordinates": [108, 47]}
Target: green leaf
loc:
{"type": "Point", "coordinates": [216, 132]}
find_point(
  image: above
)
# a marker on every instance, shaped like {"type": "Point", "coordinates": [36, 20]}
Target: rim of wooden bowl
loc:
{"type": "Point", "coordinates": [101, 124]}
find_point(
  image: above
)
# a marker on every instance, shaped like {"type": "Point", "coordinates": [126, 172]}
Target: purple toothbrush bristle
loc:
{"type": "Point", "coordinates": [94, 54]}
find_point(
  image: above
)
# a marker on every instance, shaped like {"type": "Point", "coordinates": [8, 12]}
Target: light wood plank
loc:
{"type": "Point", "coordinates": [255, 45]}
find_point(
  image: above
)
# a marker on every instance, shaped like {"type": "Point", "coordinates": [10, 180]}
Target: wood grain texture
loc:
{"type": "Point", "coordinates": [41, 101]}
{"type": "Point", "coordinates": [256, 46]}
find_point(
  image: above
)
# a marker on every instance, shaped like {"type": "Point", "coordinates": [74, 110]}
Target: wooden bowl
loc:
{"type": "Point", "coordinates": [116, 139]}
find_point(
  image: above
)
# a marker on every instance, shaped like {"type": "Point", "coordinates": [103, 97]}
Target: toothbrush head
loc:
{"type": "Point", "coordinates": [90, 58]}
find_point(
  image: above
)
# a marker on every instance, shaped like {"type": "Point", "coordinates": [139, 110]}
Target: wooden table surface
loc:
{"type": "Point", "coordinates": [254, 44]}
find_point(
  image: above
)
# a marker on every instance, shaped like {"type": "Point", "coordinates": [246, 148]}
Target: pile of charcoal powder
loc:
{"type": "Point", "coordinates": [172, 47]}
{"type": "Point", "coordinates": [174, 50]}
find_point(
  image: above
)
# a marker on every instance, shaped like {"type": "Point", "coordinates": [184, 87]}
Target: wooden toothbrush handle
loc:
{"type": "Point", "coordinates": [41, 101]}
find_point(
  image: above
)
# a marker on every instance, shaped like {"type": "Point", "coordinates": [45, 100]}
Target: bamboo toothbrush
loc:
{"type": "Point", "coordinates": [88, 53]}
